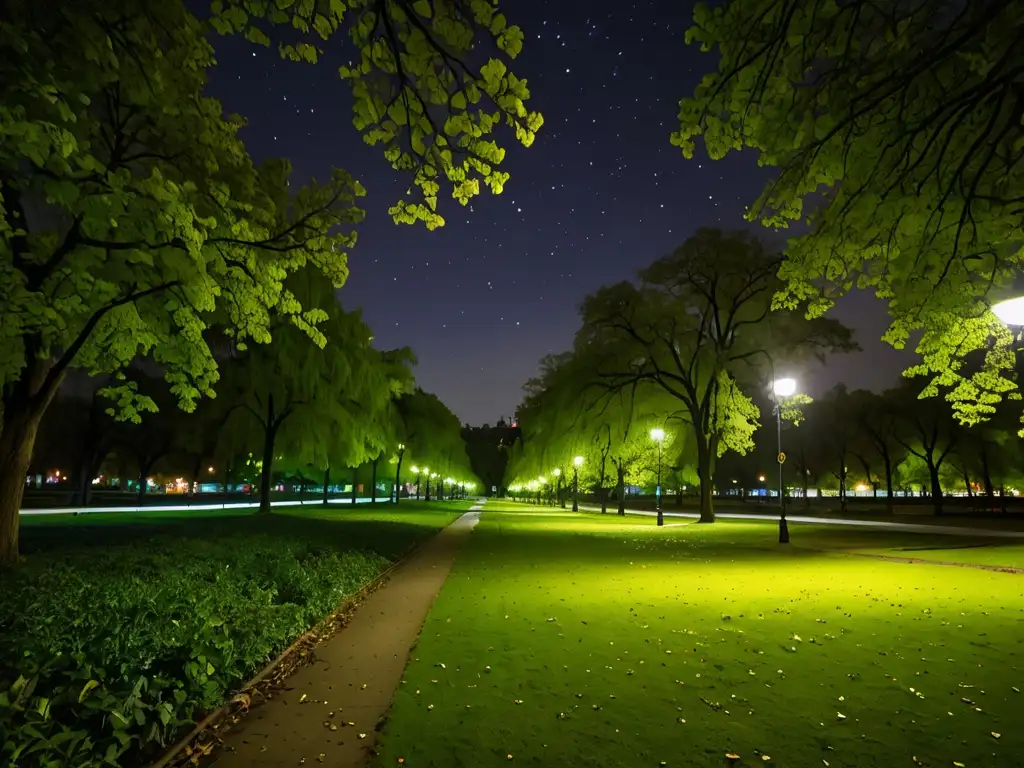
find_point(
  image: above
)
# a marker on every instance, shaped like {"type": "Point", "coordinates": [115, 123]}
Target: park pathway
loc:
{"type": "Point", "coordinates": [331, 711]}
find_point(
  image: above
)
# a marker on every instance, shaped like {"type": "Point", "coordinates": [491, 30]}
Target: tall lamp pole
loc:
{"type": "Point", "coordinates": [782, 388]}
{"type": "Point", "coordinates": [658, 436]}
{"type": "Point", "coordinates": [576, 464]}
{"type": "Point", "coordinates": [558, 491]}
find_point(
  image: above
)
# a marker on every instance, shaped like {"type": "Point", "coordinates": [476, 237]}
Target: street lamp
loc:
{"type": "Point", "coordinates": [658, 436]}
{"type": "Point", "coordinates": [782, 388]}
{"type": "Point", "coordinates": [576, 464]}
{"type": "Point", "coordinates": [558, 492]}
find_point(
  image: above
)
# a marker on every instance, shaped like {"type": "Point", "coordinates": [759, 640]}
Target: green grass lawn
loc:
{"type": "Point", "coordinates": [119, 630]}
{"type": "Point", "coordinates": [565, 640]}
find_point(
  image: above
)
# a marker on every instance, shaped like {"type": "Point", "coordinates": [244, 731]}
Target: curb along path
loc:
{"type": "Point", "coordinates": [331, 711]}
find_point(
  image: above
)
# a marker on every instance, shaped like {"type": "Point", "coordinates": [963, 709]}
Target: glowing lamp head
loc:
{"type": "Point", "coordinates": [784, 387]}
{"type": "Point", "coordinates": [415, 470]}
{"type": "Point", "coordinates": [556, 472]}
{"type": "Point", "coordinates": [1011, 311]}
{"type": "Point", "coordinates": [578, 461]}
{"type": "Point", "coordinates": [760, 478]}
{"type": "Point", "coordinates": [657, 435]}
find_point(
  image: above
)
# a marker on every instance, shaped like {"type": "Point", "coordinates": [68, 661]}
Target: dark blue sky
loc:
{"type": "Point", "coordinates": [600, 194]}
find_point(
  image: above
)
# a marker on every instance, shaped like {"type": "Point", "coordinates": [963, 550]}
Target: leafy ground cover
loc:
{"type": "Point", "coordinates": [564, 639]}
{"type": "Point", "coordinates": [120, 630]}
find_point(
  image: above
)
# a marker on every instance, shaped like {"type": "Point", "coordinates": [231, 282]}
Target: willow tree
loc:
{"type": "Point", "coordinates": [132, 219]}
{"type": "Point", "coordinates": [698, 323]}
{"type": "Point", "coordinates": [896, 132]}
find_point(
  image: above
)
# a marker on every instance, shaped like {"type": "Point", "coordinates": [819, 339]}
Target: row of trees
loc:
{"type": "Point", "coordinates": [286, 409]}
{"type": "Point", "coordinates": [685, 349]}
{"type": "Point", "coordinates": [134, 225]}
{"type": "Point", "coordinates": [888, 442]}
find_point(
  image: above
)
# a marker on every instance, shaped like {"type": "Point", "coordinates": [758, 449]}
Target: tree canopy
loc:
{"type": "Point", "coordinates": [134, 222]}
{"type": "Point", "coordinates": [896, 132]}
{"type": "Point", "coordinates": [681, 349]}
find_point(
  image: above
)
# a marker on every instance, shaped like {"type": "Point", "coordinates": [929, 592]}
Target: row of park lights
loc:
{"type": "Point", "coordinates": [439, 484]}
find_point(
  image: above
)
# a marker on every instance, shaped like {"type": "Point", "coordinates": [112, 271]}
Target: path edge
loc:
{"type": "Point", "coordinates": [171, 756]}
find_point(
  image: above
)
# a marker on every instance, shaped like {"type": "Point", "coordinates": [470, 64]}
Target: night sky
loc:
{"type": "Point", "coordinates": [600, 194]}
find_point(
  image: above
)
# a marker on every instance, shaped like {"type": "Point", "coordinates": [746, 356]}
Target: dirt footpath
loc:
{"type": "Point", "coordinates": [331, 714]}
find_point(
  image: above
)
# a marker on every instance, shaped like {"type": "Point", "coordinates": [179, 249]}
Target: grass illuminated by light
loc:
{"type": "Point", "coordinates": [582, 640]}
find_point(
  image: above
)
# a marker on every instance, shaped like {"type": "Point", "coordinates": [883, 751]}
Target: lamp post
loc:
{"type": "Point", "coordinates": [558, 491]}
{"type": "Point", "coordinates": [658, 436]}
{"type": "Point", "coordinates": [416, 471]}
{"type": "Point", "coordinates": [576, 464]}
{"type": "Point", "coordinates": [782, 388]}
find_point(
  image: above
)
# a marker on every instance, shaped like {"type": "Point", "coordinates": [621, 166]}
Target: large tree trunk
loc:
{"type": "Point", "coordinates": [17, 439]}
{"type": "Point", "coordinates": [373, 481]}
{"type": "Point", "coordinates": [398, 478]}
{"type": "Point", "coordinates": [933, 473]}
{"type": "Point", "coordinates": [706, 473]}
{"type": "Point", "coordinates": [327, 484]}
{"type": "Point", "coordinates": [355, 483]}
{"type": "Point", "coordinates": [620, 488]}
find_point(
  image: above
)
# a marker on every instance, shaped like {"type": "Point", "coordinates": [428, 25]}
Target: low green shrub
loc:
{"type": "Point", "coordinates": [106, 655]}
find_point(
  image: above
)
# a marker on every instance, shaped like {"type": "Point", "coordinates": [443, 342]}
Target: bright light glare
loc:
{"type": "Point", "coordinates": [578, 461]}
{"type": "Point", "coordinates": [658, 435]}
{"type": "Point", "coordinates": [415, 470]}
{"type": "Point", "coordinates": [1011, 311]}
{"type": "Point", "coordinates": [556, 472]}
{"type": "Point", "coordinates": [760, 478]}
{"type": "Point", "coordinates": [784, 387]}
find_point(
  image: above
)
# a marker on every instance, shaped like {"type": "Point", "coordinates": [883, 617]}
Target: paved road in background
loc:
{"type": "Point", "coordinates": [947, 530]}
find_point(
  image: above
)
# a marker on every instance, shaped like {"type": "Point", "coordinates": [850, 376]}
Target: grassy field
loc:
{"type": "Point", "coordinates": [119, 630]}
{"type": "Point", "coordinates": [564, 639]}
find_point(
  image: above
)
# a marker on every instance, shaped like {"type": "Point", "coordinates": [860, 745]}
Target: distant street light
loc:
{"type": "Point", "coordinates": [658, 436]}
{"type": "Point", "coordinates": [558, 492]}
{"type": "Point", "coordinates": [576, 464]}
{"type": "Point", "coordinates": [782, 388]}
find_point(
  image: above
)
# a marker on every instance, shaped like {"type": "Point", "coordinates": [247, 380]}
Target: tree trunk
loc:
{"type": "Point", "coordinates": [373, 481]}
{"type": "Point", "coordinates": [327, 484]}
{"type": "Point", "coordinates": [140, 492]}
{"type": "Point", "coordinates": [967, 482]}
{"type": "Point", "coordinates": [355, 482]}
{"type": "Point", "coordinates": [197, 469]}
{"type": "Point", "coordinates": [17, 439]}
{"type": "Point", "coordinates": [398, 478]}
{"type": "Point", "coordinates": [986, 476]}
{"type": "Point", "coordinates": [706, 474]}
{"type": "Point", "coordinates": [933, 473]}
{"type": "Point", "coordinates": [620, 488]}
{"type": "Point", "coordinates": [889, 506]}
{"type": "Point", "coordinates": [267, 469]}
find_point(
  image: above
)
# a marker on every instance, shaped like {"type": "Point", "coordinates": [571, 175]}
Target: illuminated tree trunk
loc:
{"type": "Point", "coordinates": [889, 504]}
{"type": "Point", "coordinates": [16, 443]}
{"type": "Point", "coordinates": [706, 475]}
{"type": "Point", "coordinates": [986, 476]}
{"type": "Point", "coordinates": [355, 482]}
{"type": "Point", "coordinates": [327, 484]}
{"type": "Point", "coordinates": [933, 474]}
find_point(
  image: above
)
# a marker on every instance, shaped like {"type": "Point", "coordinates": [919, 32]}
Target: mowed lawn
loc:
{"type": "Point", "coordinates": [119, 631]}
{"type": "Point", "coordinates": [582, 640]}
